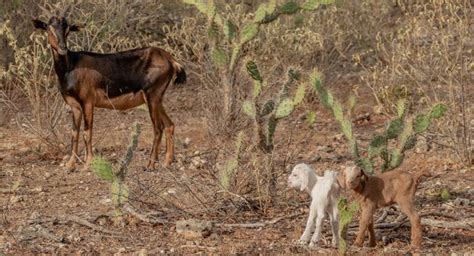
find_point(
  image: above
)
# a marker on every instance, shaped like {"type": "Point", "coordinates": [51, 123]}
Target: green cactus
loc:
{"type": "Point", "coordinates": [269, 113]}
{"type": "Point", "coordinates": [227, 55]}
{"type": "Point", "coordinates": [346, 213]}
{"type": "Point", "coordinates": [402, 129]}
{"type": "Point", "coordinates": [228, 172]}
{"type": "Point", "coordinates": [103, 169]}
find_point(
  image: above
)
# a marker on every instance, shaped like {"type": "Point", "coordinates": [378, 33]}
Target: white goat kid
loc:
{"type": "Point", "coordinates": [324, 192]}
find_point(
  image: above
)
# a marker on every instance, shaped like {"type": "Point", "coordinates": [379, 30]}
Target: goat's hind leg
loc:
{"type": "Point", "coordinates": [155, 116]}
{"type": "Point", "coordinates": [169, 132]}
{"type": "Point", "coordinates": [334, 219]}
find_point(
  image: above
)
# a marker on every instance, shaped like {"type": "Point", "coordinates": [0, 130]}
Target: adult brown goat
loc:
{"type": "Point", "coordinates": [119, 80]}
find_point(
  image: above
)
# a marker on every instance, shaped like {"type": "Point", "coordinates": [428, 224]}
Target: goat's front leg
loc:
{"type": "Point", "coordinates": [371, 232]}
{"type": "Point", "coordinates": [363, 224]}
{"type": "Point", "coordinates": [88, 120]}
{"type": "Point", "coordinates": [317, 233]}
{"type": "Point", "coordinates": [76, 127]}
{"type": "Point", "coordinates": [309, 224]}
{"type": "Point", "coordinates": [169, 131]}
{"type": "Point", "coordinates": [415, 221]}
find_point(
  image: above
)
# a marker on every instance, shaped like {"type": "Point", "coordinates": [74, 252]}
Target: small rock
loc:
{"type": "Point", "coordinates": [471, 192]}
{"type": "Point", "coordinates": [186, 142]}
{"type": "Point", "coordinates": [194, 228]}
{"type": "Point", "coordinates": [463, 171]}
{"type": "Point", "coordinates": [461, 202]}
{"type": "Point", "coordinates": [421, 145]}
{"type": "Point", "coordinates": [105, 201]}
{"type": "Point", "coordinates": [16, 199]}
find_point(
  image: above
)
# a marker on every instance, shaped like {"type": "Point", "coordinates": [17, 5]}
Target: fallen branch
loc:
{"type": "Point", "coordinates": [144, 217]}
{"type": "Point", "coordinates": [83, 222]}
{"type": "Point", "coordinates": [466, 224]}
{"type": "Point", "coordinates": [257, 224]}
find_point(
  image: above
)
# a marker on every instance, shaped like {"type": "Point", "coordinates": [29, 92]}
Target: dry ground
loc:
{"type": "Point", "coordinates": [37, 217]}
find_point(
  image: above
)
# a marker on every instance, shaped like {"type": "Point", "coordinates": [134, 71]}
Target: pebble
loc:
{"type": "Point", "coordinates": [187, 142]}
{"type": "Point", "coordinates": [461, 202]}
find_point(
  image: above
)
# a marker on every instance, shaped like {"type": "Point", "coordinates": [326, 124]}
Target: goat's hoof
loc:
{"type": "Point", "coordinates": [313, 244]}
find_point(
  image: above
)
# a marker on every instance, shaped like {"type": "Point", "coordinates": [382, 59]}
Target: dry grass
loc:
{"type": "Point", "coordinates": [420, 51]}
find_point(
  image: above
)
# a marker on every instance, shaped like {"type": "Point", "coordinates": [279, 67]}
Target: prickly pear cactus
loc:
{"type": "Point", "coordinates": [226, 56]}
{"type": "Point", "coordinates": [104, 170]}
{"type": "Point", "coordinates": [267, 115]}
{"type": "Point", "coordinates": [227, 173]}
{"type": "Point", "coordinates": [403, 129]}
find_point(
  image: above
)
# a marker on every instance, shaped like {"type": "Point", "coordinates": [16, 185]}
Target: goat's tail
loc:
{"type": "Point", "coordinates": [179, 72]}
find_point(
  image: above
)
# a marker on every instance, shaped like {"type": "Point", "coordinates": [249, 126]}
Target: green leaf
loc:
{"type": "Point", "coordinates": [267, 108]}
{"type": "Point", "coordinates": [394, 128]}
{"type": "Point", "coordinates": [378, 141]}
{"type": "Point", "coordinates": [257, 88]}
{"type": "Point", "coordinates": [337, 111]}
{"type": "Point", "coordinates": [219, 57]}
{"type": "Point", "coordinates": [249, 32]}
{"type": "Point", "coordinates": [396, 159]}
{"type": "Point", "coordinates": [299, 94]}
{"type": "Point", "coordinates": [366, 165]}
{"type": "Point", "coordinates": [260, 13]}
{"type": "Point", "coordinates": [310, 5]}
{"type": "Point", "coordinates": [377, 145]}
{"type": "Point", "coordinates": [421, 123]}
{"type": "Point", "coordinates": [252, 69]}
{"type": "Point", "coordinates": [285, 108]}
{"type": "Point", "coordinates": [289, 8]}
{"type": "Point", "coordinates": [351, 102]}
{"type": "Point", "coordinates": [311, 118]}
{"type": "Point", "coordinates": [438, 110]}
{"type": "Point", "coordinates": [401, 106]}
{"type": "Point", "coordinates": [213, 30]}
{"type": "Point", "coordinates": [103, 169]}
{"type": "Point", "coordinates": [248, 108]}
{"type": "Point", "coordinates": [444, 194]}
{"type": "Point", "coordinates": [229, 30]}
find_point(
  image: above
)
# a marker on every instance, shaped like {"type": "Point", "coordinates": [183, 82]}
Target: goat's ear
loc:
{"type": "Point", "coordinates": [39, 24]}
{"type": "Point", "coordinates": [304, 180]}
{"type": "Point", "coordinates": [74, 28]}
{"type": "Point", "coordinates": [341, 179]}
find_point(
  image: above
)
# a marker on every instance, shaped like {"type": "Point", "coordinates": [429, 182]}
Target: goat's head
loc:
{"type": "Point", "coordinates": [353, 176]}
{"type": "Point", "coordinates": [300, 177]}
{"type": "Point", "coordinates": [58, 29]}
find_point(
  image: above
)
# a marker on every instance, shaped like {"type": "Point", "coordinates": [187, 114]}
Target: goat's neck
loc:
{"type": "Point", "coordinates": [61, 65]}
{"type": "Point", "coordinates": [312, 179]}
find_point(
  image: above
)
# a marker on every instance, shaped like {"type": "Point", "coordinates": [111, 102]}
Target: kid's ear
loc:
{"type": "Point", "coordinates": [74, 28]}
{"type": "Point", "coordinates": [39, 24]}
{"type": "Point", "coordinates": [304, 180]}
